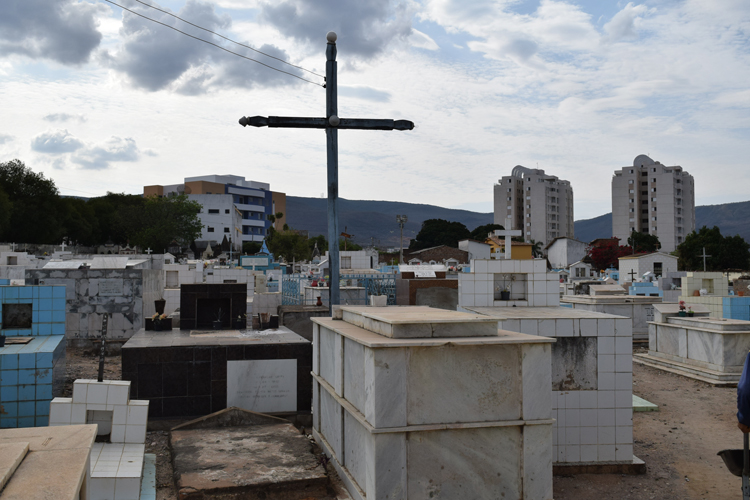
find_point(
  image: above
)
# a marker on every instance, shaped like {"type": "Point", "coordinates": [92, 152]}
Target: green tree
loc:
{"type": "Point", "coordinates": [731, 252]}
{"type": "Point", "coordinates": [436, 232]}
{"type": "Point", "coordinates": [110, 224]}
{"type": "Point", "coordinates": [288, 244]}
{"type": "Point", "coordinates": [480, 233]}
{"type": "Point", "coordinates": [6, 208]}
{"type": "Point", "coordinates": [79, 221]}
{"type": "Point", "coordinates": [34, 215]}
{"type": "Point", "coordinates": [251, 247]}
{"type": "Point", "coordinates": [161, 220]}
{"type": "Point", "coordinates": [536, 249]}
{"type": "Point", "coordinates": [643, 242]}
{"type": "Point", "coordinates": [321, 241]}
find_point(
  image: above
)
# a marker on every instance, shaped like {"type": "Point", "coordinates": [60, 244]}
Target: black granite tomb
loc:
{"type": "Point", "coordinates": [202, 304]}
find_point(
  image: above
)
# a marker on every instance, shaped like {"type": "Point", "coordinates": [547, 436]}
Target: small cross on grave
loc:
{"type": "Point", "coordinates": [508, 232]}
{"type": "Point", "coordinates": [704, 258]}
{"type": "Point", "coordinates": [331, 123]}
{"type": "Point", "coordinates": [103, 347]}
{"type": "Point", "coordinates": [63, 245]}
{"type": "Point", "coordinates": [632, 274]}
{"type": "Point", "coordinates": [12, 247]}
{"type": "Point", "coordinates": [148, 251]}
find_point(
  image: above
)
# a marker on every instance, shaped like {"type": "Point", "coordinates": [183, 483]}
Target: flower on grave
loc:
{"type": "Point", "coordinates": [158, 317]}
{"type": "Point", "coordinates": [682, 305]}
{"type": "Point", "coordinates": [690, 309]}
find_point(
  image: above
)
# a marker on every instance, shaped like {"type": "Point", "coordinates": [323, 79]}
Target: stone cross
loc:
{"type": "Point", "coordinates": [63, 245]}
{"type": "Point", "coordinates": [704, 259]}
{"type": "Point", "coordinates": [508, 232]}
{"type": "Point", "coordinates": [148, 251]}
{"type": "Point", "coordinates": [632, 274]}
{"type": "Point", "coordinates": [331, 123]}
{"type": "Point", "coordinates": [12, 247]}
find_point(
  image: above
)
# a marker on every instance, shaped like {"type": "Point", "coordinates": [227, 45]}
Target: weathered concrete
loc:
{"type": "Point", "coordinates": [259, 462]}
{"type": "Point", "coordinates": [441, 298]}
{"type": "Point", "coordinates": [297, 318]}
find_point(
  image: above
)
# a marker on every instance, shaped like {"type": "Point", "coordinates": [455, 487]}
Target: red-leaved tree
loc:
{"type": "Point", "coordinates": [606, 254]}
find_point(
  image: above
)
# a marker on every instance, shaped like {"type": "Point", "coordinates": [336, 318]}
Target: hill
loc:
{"type": "Point", "coordinates": [374, 219]}
{"type": "Point", "coordinates": [377, 219]}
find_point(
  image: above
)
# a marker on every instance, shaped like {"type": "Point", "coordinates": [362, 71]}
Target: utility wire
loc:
{"type": "Point", "coordinates": [215, 45]}
{"type": "Point", "coordinates": [227, 39]}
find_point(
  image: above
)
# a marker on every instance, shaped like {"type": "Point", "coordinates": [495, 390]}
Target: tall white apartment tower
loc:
{"type": "Point", "coordinates": [652, 198]}
{"type": "Point", "coordinates": [540, 205]}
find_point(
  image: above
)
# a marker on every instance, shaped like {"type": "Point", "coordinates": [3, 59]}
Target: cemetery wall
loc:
{"type": "Point", "coordinates": [128, 294]}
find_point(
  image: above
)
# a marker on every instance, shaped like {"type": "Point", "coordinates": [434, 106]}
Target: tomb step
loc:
{"type": "Point", "coordinates": [717, 379]}
{"type": "Point", "coordinates": [418, 322]}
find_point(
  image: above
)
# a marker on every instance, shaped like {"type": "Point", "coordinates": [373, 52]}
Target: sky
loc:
{"type": "Point", "coordinates": [100, 99]}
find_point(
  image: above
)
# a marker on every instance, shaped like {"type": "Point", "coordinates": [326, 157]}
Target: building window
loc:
{"type": "Point", "coordinates": [654, 180]}
{"type": "Point", "coordinates": [631, 170]}
{"type": "Point", "coordinates": [630, 181]}
{"type": "Point", "coordinates": [632, 200]}
{"type": "Point", "coordinates": [644, 193]}
{"type": "Point", "coordinates": [632, 191]}
{"type": "Point", "coordinates": [210, 229]}
{"type": "Point", "coordinates": [644, 183]}
{"type": "Point", "coordinates": [213, 210]}
{"type": "Point", "coordinates": [226, 210]}
{"type": "Point", "coordinates": [632, 210]}
{"type": "Point", "coordinates": [653, 190]}
{"type": "Point", "coordinates": [226, 229]}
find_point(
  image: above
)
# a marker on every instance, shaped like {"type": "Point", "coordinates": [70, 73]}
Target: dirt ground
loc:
{"type": "Point", "coordinates": [678, 443]}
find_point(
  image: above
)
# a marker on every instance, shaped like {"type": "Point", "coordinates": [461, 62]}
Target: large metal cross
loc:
{"type": "Point", "coordinates": [331, 123]}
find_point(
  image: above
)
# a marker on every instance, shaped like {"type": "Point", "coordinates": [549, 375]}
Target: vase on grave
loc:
{"type": "Point", "coordinates": [239, 323]}
{"type": "Point", "coordinates": [217, 324]}
{"type": "Point", "coordinates": [682, 314]}
{"type": "Point", "coordinates": [505, 295]}
{"type": "Point", "coordinates": [159, 305]}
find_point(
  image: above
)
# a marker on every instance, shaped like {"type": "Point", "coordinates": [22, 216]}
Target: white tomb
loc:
{"type": "Point", "coordinates": [592, 371]}
{"type": "Point", "coordinates": [412, 402]}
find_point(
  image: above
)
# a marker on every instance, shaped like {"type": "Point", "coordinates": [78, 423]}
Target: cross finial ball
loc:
{"type": "Point", "coordinates": [331, 37]}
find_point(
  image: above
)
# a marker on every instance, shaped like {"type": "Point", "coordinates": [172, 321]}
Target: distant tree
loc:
{"type": "Point", "coordinates": [643, 242]}
{"type": "Point", "coordinates": [322, 244]}
{"type": "Point", "coordinates": [79, 221]}
{"type": "Point", "coordinates": [536, 249]}
{"type": "Point", "coordinates": [161, 220]}
{"type": "Point", "coordinates": [480, 233]}
{"type": "Point", "coordinates": [251, 247]}
{"type": "Point", "coordinates": [607, 254]}
{"type": "Point", "coordinates": [288, 244]}
{"type": "Point", "coordinates": [727, 252]}
{"type": "Point", "coordinates": [6, 208]}
{"type": "Point", "coordinates": [34, 211]}
{"type": "Point", "coordinates": [350, 245]}
{"type": "Point", "coordinates": [111, 222]}
{"type": "Point", "coordinates": [436, 232]}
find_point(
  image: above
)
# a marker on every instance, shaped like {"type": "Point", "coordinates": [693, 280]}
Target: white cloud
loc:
{"type": "Point", "coordinates": [55, 142]}
{"type": "Point", "coordinates": [623, 24]}
{"type": "Point", "coordinates": [422, 41]}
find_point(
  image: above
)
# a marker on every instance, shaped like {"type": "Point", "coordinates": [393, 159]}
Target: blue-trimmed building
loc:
{"type": "Point", "coordinates": [233, 207]}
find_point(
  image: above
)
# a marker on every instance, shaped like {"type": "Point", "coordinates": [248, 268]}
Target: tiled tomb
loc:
{"type": "Point", "coordinates": [415, 402]}
{"type": "Point", "coordinates": [117, 465]}
{"type": "Point", "coordinates": [639, 309]}
{"type": "Point", "coordinates": [705, 348]}
{"type": "Point", "coordinates": [592, 374]}
{"type": "Point", "coordinates": [31, 373]}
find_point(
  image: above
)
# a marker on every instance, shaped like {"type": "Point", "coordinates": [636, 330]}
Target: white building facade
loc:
{"type": "Point", "coordinates": [540, 205]}
{"type": "Point", "coordinates": [655, 199]}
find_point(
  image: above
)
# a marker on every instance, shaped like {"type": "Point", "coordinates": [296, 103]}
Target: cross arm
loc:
{"type": "Point", "coordinates": [343, 123]}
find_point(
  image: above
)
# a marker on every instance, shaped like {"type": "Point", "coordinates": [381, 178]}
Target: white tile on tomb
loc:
{"type": "Point", "coordinates": [624, 399]}
{"type": "Point", "coordinates": [482, 300]}
{"type": "Point", "coordinates": [119, 414]}
{"type": "Point", "coordinates": [560, 454]}
{"type": "Point", "coordinates": [624, 327]}
{"type": "Point", "coordinates": [547, 327]}
{"type": "Point", "coordinates": [589, 453]}
{"type": "Point", "coordinates": [572, 453]}
{"type": "Point", "coordinates": [78, 413]}
{"type": "Point", "coordinates": [135, 433]}
{"type": "Point", "coordinates": [481, 266]}
{"type": "Point", "coordinates": [573, 400]}
{"type": "Point", "coordinates": [60, 411]}
{"type": "Point", "coordinates": [537, 460]}
{"type": "Point", "coordinates": [572, 418]}
{"type": "Point", "coordinates": [103, 488]}
{"type": "Point", "coordinates": [623, 345]}
{"type": "Point", "coordinates": [606, 417]}
{"type": "Point", "coordinates": [588, 328]}
{"type": "Point", "coordinates": [561, 421]}
{"type": "Point", "coordinates": [572, 436]}
{"type": "Point", "coordinates": [96, 406]}
{"type": "Point", "coordinates": [606, 345]}
{"type": "Point", "coordinates": [624, 363]}
{"type": "Point", "coordinates": [624, 434]}
{"type": "Point", "coordinates": [467, 287]}
{"type": "Point", "coordinates": [536, 376]}
{"type": "Point", "coordinates": [564, 327]}
{"type": "Point", "coordinates": [553, 288]}
{"type": "Point", "coordinates": [606, 435]}
{"type": "Point", "coordinates": [623, 416]}
{"type": "Point", "coordinates": [97, 394]}
{"type": "Point", "coordinates": [529, 327]}
{"type": "Point", "coordinates": [606, 453]}
{"type": "Point", "coordinates": [118, 394]}
{"type": "Point", "coordinates": [589, 399]}
{"type": "Point", "coordinates": [118, 433]}
{"type": "Point", "coordinates": [127, 488]}
{"type": "Point", "coordinates": [606, 363]}
{"type": "Point", "coordinates": [513, 325]}
{"type": "Point", "coordinates": [624, 452]}
{"type": "Point", "coordinates": [79, 391]}
{"type": "Point", "coordinates": [589, 435]}
{"type": "Point", "coordinates": [606, 327]}
{"type": "Point", "coordinates": [624, 382]}
{"type": "Point", "coordinates": [589, 417]}
{"type": "Point", "coordinates": [607, 381]}
{"type": "Point", "coordinates": [606, 399]}
{"type": "Point", "coordinates": [316, 348]}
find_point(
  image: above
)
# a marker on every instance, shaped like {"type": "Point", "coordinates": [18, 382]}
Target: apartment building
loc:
{"type": "Point", "coordinates": [652, 198]}
{"type": "Point", "coordinates": [232, 206]}
{"type": "Point", "coordinates": [540, 205]}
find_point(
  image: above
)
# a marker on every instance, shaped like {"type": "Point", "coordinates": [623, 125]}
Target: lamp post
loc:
{"type": "Point", "coordinates": [401, 219]}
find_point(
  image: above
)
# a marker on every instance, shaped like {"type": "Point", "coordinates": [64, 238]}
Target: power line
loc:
{"type": "Point", "coordinates": [228, 39]}
{"type": "Point", "coordinates": [215, 45]}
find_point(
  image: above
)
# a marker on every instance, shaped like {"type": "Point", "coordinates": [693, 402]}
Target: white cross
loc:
{"type": "Point", "coordinates": [508, 233]}
{"type": "Point", "coordinates": [63, 245]}
{"type": "Point", "coordinates": [148, 251]}
{"type": "Point", "coordinates": [12, 247]}
{"type": "Point", "coordinates": [704, 259]}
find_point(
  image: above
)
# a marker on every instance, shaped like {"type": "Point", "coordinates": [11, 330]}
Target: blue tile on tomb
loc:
{"type": "Point", "coordinates": [45, 292]}
{"type": "Point", "coordinates": [59, 291]}
{"type": "Point", "coordinates": [27, 409]}
{"type": "Point", "coordinates": [8, 423]}
{"type": "Point", "coordinates": [43, 392]}
{"type": "Point", "coordinates": [27, 360]}
{"type": "Point", "coordinates": [8, 393]}
{"type": "Point", "coordinates": [42, 420]}
{"type": "Point", "coordinates": [27, 392]}
{"type": "Point", "coordinates": [25, 422]}
{"type": "Point", "coordinates": [45, 316]}
{"type": "Point", "coordinates": [10, 409]}
{"type": "Point", "coordinates": [42, 408]}
{"type": "Point", "coordinates": [24, 292]}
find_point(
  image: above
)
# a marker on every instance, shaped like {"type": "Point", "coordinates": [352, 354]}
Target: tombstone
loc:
{"type": "Point", "coordinates": [411, 402]}
{"type": "Point", "coordinates": [32, 318]}
{"type": "Point", "coordinates": [199, 369]}
{"type": "Point", "coordinates": [592, 376]}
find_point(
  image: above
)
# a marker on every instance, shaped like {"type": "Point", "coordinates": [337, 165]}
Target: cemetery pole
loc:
{"type": "Point", "coordinates": [331, 123]}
